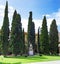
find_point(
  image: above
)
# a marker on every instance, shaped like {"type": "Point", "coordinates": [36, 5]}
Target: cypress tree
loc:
{"type": "Point", "coordinates": [31, 32]}
{"type": "Point", "coordinates": [19, 34]}
{"type": "Point", "coordinates": [23, 39]}
{"type": "Point", "coordinates": [0, 42]}
{"type": "Point", "coordinates": [29, 28]}
{"type": "Point", "coordinates": [13, 38]}
{"type": "Point", "coordinates": [53, 36]}
{"type": "Point", "coordinates": [16, 34]}
{"type": "Point", "coordinates": [5, 31]}
{"type": "Point", "coordinates": [44, 37]}
{"type": "Point", "coordinates": [38, 39]}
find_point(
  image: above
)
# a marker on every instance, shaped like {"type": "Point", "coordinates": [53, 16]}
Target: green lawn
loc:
{"type": "Point", "coordinates": [23, 60]}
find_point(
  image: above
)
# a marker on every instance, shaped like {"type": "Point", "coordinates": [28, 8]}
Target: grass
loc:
{"type": "Point", "coordinates": [25, 60]}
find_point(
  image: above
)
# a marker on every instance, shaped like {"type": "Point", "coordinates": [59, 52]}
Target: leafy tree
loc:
{"type": "Point", "coordinates": [5, 31]}
{"type": "Point", "coordinates": [53, 36]}
{"type": "Point", "coordinates": [44, 37]}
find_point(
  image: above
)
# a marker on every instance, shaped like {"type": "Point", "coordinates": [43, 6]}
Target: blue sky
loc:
{"type": "Point", "coordinates": [50, 8]}
{"type": "Point", "coordinates": [38, 7]}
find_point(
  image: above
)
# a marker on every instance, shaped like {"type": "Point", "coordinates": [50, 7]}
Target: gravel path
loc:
{"type": "Point", "coordinates": [49, 62]}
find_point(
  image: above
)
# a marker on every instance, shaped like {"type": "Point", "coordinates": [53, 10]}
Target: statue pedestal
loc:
{"type": "Point", "coordinates": [30, 53]}
{"type": "Point", "coordinates": [59, 49]}
{"type": "Point", "coordinates": [30, 50]}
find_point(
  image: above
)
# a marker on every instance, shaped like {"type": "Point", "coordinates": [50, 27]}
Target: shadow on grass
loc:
{"type": "Point", "coordinates": [1, 63]}
{"type": "Point", "coordinates": [10, 63]}
{"type": "Point", "coordinates": [36, 57]}
{"type": "Point", "coordinates": [28, 57]}
{"type": "Point", "coordinates": [17, 57]}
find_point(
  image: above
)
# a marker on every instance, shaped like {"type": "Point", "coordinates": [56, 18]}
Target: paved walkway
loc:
{"type": "Point", "coordinates": [49, 62]}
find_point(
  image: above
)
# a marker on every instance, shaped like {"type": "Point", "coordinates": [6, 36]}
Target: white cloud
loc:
{"type": "Point", "coordinates": [24, 21]}
{"type": "Point", "coordinates": [38, 22]}
{"type": "Point", "coordinates": [10, 10]}
{"type": "Point", "coordinates": [54, 15]}
{"type": "Point", "coordinates": [24, 24]}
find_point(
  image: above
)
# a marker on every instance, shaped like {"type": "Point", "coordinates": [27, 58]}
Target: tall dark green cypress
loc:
{"type": "Point", "coordinates": [29, 25]}
{"type": "Point", "coordinates": [38, 39]}
{"type": "Point", "coordinates": [5, 31]}
{"type": "Point", "coordinates": [29, 28]}
{"type": "Point", "coordinates": [16, 34]}
{"type": "Point", "coordinates": [44, 37]}
{"type": "Point", "coordinates": [23, 39]}
{"type": "Point", "coordinates": [19, 35]}
{"type": "Point", "coordinates": [31, 32]}
{"type": "Point", "coordinates": [53, 36]}
{"type": "Point", "coordinates": [0, 41]}
{"type": "Point", "coordinates": [13, 37]}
